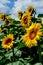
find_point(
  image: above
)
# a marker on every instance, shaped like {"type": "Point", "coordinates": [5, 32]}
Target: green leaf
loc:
{"type": "Point", "coordinates": [15, 21]}
{"type": "Point", "coordinates": [16, 63]}
{"type": "Point", "coordinates": [34, 19]}
{"type": "Point", "coordinates": [41, 46]}
{"type": "Point", "coordinates": [17, 52]}
{"type": "Point", "coordinates": [2, 53]}
{"type": "Point", "coordinates": [21, 45]}
{"type": "Point", "coordinates": [40, 15]}
{"type": "Point", "coordinates": [29, 59]}
{"type": "Point", "coordinates": [3, 60]}
{"type": "Point", "coordinates": [8, 55]}
{"type": "Point", "coordinates": [1, 36]}
{"type": "Point", "coordinates": [38, 64]}
{"type": "Point", "coordinates": [0, 57]}
{"type": "Point", "coordinates": [28, 64]}
{"type": "Point", "coordinates": [42, 53]}
{"type": "Point", "coordinates": [0, 47]}
{"type": "Point", "coordinates": [26, 60]}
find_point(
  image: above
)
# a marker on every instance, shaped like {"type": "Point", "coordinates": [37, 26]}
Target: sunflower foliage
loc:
{"type": "Point", "coordinates": [21, 41]}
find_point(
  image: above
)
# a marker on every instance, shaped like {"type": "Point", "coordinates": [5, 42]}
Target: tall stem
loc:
{"type": "Point", "coordinates": [30, 52]}
{"type": "Point", "coordinates": [13, 52]}
{"type": "Point", "coordinates": [39, 52]}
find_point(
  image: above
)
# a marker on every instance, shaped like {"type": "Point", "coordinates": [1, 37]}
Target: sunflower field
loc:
{"type": "Point", "coordinates": [21, 41]}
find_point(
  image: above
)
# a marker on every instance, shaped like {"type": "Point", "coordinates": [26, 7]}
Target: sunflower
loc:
{"type": "Point", "coordinates": [7, 42]}
{"type": "Point", "coordinates": [7, 20]}
{"type": "Point", "coordinates": [8, 17]}
{"type": "Point", "coordinates": [20, 14]}
{"type": "Point", "coordinates": [2, 16]}
{"type": "Point", "coordinates": [26, 19]}
{"type": "Point", "coordinates": [33, 34]}
{"type": "Point", "coordinates": [30, 9]}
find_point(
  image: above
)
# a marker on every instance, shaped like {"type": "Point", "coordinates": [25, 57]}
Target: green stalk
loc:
{"type": "Point", "coordinates": [13, 52]}
{"type": "Point", "coordinates": [8, 31]}
{"type": "Point", "coordinates": [39, 52]}
{"type": "Point", "coordinates": [30, 52]}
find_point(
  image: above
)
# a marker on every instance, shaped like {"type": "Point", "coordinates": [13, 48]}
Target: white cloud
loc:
{"type": "Point", "coordinates": [23, 4]}
{"type": "Point", "coordinates": [3, 7]}
{"type": "Point", "coordinates": [4, 1]}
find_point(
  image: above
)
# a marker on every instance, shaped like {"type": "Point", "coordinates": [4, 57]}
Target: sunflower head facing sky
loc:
{"type": "Point", "coordinates": [33, 34]}
{"type": "Point", "coordinates": [30, 9]}
{"type": "Point", "coordinates": [7, 42]}
{"type": "Point", "coordinates": [26, 19]}
{"type": "Point", "coordinates": [8, 17]}
{"type": "Point", "coordinates": [20, 14]}
{"type": "Point", "coordinates": [6, 22]}
{"type": "Point", "coordinates": [2, 16]}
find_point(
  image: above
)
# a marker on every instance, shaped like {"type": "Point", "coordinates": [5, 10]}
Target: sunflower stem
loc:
{"type": "Point", "coordinates": [30, 52]}
{"type": "Point", "coordinates": [13, 52]}
{"type": "Point", "coordinates": [8, 31]}
{"type": "Point", "coordinates": [39, 52]}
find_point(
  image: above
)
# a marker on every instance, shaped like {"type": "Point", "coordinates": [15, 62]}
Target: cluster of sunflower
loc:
{"type": "Point", "coordinates": [7, 41]}
{"type": "Point", "coordinates": [29, 30]}
{"type": "Point", "coordinates": [33, 29]}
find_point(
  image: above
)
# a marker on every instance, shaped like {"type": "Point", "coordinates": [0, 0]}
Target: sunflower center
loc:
{"type": "Point", "coordinates": [30, 10]}
{"type": "Point", "coordinates": [8, 41]}
{"type": "Point", "coordinates": [25, 20]}
{"type": "Point", "coordinates": [7, 21]}
{"type": "Point", "coordinates": [1, 17]}
{"type": "Point", "coordinates": [32, 34]}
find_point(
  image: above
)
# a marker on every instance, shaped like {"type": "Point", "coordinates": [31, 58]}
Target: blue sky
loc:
{"type": "Point", "coordinates": [12, 6]}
